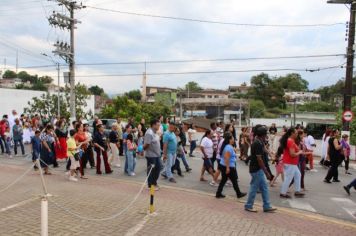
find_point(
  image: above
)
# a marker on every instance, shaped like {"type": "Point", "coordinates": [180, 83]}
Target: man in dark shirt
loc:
{"type": "Point", "coordinates": [101, 148]}
{"type": "Point", "coordinates": [273, 129]}
{"type": "Point", "coordinates": [258, 171]}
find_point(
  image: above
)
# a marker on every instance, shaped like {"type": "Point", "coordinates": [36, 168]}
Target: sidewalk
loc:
{"type": "Point", "coordinates": [179, 211]}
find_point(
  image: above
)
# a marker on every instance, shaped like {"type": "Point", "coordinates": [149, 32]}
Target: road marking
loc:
{"type": "Point", "coordinates": [134, 230]}
{"type": "Point", "coordinates": [301, 205]}
{"type": "Point", "coordinates": [347, 205]}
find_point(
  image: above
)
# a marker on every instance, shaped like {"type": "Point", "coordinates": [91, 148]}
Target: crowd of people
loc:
{"type": "Point", "coordinates": [163, 145]}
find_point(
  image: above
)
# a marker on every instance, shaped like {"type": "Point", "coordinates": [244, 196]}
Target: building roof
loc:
{"type": "Point", "coordinates": [199, 122]}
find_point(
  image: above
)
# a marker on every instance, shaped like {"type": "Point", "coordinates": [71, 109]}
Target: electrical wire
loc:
{"type": "Point", "coordinates": [218, 22]}
{"type": "Point", "coordinates": [197, 60]}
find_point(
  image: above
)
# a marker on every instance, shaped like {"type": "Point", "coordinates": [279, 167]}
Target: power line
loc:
{"type": "Point", "coordinates": [218, 22]}
{"type": "Point", "coordinates": [198, 60]}
{"type": "Point", "coordinates": [218, 72]}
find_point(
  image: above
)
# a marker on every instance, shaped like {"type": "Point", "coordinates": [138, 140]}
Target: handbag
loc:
{"type": "Point", "coordinates": [78, 155]}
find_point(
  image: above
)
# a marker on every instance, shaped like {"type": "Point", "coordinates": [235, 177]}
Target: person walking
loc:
{"type": "Point", "coordinates": [82, 141]}
{"type": "Point", "coordinates": [153, 153]}
{"type": "Point", "coordinates": [4, 125]}
{"type": "Point", "coordinates": [349, 186]}
{"type": "Point", "coordinates": [71, 151]}
{"type": "Point", "coordinates": [88, 154]}
{"type": "Point", "coordinates": [215, 137]}
{"type": "Point", "coordinates": [114, 145]}
{"type": "Point", "coordinates": [192, 139]}
{"type": "Point", "coordinates": [346, 151]}
{"type": "Point", "coordinates": [61, 132]}
{"type": "Point", "coordinates": [291, 154]}
{"type": "Point", "coordinates": [131, 159]}
{"type": "Point", "coordinates": [309, 143]}
{"type": "Point", "coordinates": [207, 148]}
{"type": "Point", "coordinates": [47, 155]}
{"type": "Point", "coordinates": [335, 157]}
{"type": "Point", "coordinates": [101, 148]}
{"type": "Point", "coordinates": [120, 133]}
{"type": "Point", "coordinates": [325, 146]}
{"type": "Point", "coordinates": [169, 152]}
{"type": "Point", "coordinates": [228, 167]}
{"type": "Point", "coordinates": [258, 171]}
{"type": "Point", "coordinates": [17, 134]}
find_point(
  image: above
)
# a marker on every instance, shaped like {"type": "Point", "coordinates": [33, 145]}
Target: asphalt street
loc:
{"type": "Point", "coordinates": [321, 198]}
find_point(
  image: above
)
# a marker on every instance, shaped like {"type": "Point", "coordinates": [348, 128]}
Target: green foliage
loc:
{"type": "Point", "coordinates": [193, 86]}
{"type": "Point", "coordinates": [9, 74]}
{"type": "Point", "coordinates": [257, 109]}
{"type": "Point", "coordinates": [268, 90]}
{"type": "Point", "coordinates": [316, 107]}
{"type": "Point", "coordinates": [45, 79]}
{"type": "Point", "coordinates": [328, 93]}
{"type": "Point", "coordinates": [292, 83]}
{"type": "Point", "coordinates": [125, 107]}
{"type": "Point", "coordinates": [96, 90]}
{"type": "Point", "coordinates": [48, 104]}
{"type": "Point", "coordinates": [134, 95]}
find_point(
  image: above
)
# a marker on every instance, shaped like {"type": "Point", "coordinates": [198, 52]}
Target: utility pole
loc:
{"type": "Point", "coordinates": [17, 60]}
{"type": "Point", "coordinates": [63, 49]}
{"type": "Point", "coordinates": [294, 111]}
{"type": "Point", "coordinates": [58, 92]}
{"type": "Point", "coordinates": [350, 59]}
{"type": "Point", "coordinates": [144, 86]}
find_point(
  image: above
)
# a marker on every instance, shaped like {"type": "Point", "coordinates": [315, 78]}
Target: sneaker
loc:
{"type": "Point", "coordinates": [241, 195]}
{"type": "Point", "coordinates": [132, 174]}
{"type": "Point", "coordinates": [348, 173]}
{"type": "Point", "coordinates": [218, 196]}
{"type": "Point", "coordinates": [299, 194]}
{"type": "Point", "coordinates": [251, 210]}
{"type": "Point", "coordinates": [347, 190]}
{"type": "Point", "coordinates": [118, 166]}
{"type": "Point", "coordinates": [327, 181]}
{"type": "Point", "coordinates": [67, 173]}
{"type": "Point", "coordinates": [164, 176]}
{"type": "Point", "coordinates": [191, 155]}
{"type": "Point", "coordinates": [72, 178]}
{"type": "Point", "coordinates": [336, 180]}
{"type": "Point", "coordinates": [10, 156]}
{"type": "Point", "coordinates": [313, 170]}
{"type": "Point", "coordinates": [213, 183]}
{"type": "Point", "coordinates": [188, 169]}
{"type": "Point", "coordinates": [109, 172]}
{"type": "Point", "coordinates": [172, 180]}
{"type": "Point", "coordinates": [269, 210]}
{"type": "Point", "coordinates": [284, 196]}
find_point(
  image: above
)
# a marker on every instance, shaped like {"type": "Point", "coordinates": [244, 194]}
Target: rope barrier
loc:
{"type": "Point", "coordinates": [17, 180]}
{"type": "Point", "coordinates": [106, 218]}
{"type": "Point", "coordinates": [18, 204]}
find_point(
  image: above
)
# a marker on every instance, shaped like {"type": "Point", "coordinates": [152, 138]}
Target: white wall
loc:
{"type": "Point", "coordinates": [17, 99]}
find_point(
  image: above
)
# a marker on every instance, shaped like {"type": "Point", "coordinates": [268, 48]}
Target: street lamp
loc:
{"type": "Point", "coordinates": [58, 75]}
{"type": "Point", "coordinates": [350, 58]}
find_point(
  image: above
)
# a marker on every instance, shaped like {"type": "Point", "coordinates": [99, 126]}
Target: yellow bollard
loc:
{"type": "Point", "coordinates": [152, 194]}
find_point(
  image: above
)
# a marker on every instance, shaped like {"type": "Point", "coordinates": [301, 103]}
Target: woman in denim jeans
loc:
{"type": "Point", "coordinates": [17, 132]}
{"type": "Point", "coordinates": [131, 160]}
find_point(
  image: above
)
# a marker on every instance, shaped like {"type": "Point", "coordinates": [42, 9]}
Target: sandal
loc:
{"type": "Point", "coordinates": [83, 177]}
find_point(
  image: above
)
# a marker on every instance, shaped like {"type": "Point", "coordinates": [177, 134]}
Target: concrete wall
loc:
{"type": "Point", "coordinates": [17, 99]}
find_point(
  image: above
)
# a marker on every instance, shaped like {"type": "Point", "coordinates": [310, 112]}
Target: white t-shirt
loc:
{"type": "Point", "coordinates": [219, 147]}
{"type": "Point", "coordinates": [324, 146]}
{"type": "Point", "coordinates": [193, 134]}
{"type": "Point", "coordinates": [309, 142]}
{"type": "Point", "coordinates": [208, 146]}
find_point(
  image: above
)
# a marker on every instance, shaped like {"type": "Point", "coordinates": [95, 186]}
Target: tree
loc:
{"type": "Point", "coordinates": [123, 106]}
{"type": "Point", "coordinates": [266, 89]}
{"type": "Point", "coordinates": [96, 90]}
{"type": "Point", "coordinates": [25, 77]}
{"type": "Point", "coordinates": [316, 107]}
{"type": "Point", "coordinates": [193, 86]}
{"type": "Point", "coordinates": [9, 74]}
{"type": "Point", "coordinates": [257, 109]}
{"type": "Point", "coordinates": [292, 83]}
{"type": "Point", "coordinates": [134, 95]}
{"type": "Point", "coordinates": [46, 79]}
{"type": "Point", "coordinates": [328, 93]}
{"type": "Point", "coordinates": [47, 104]}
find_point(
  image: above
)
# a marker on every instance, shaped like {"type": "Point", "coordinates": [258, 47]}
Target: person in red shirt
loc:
{"type": "Point", "coordinates": [291, 154]}
{"type": "Point", "coordinates": [4, 124]}
{"type": "Point", "coordinates": [81, 138]}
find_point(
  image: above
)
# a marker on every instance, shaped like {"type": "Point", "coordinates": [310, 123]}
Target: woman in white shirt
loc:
{"type": "Point", "coordinates": [207, 148]}
{"type": "Point", "coordinates": [192, 133]}
{"type": "Point", "coordinates": [325, 146]}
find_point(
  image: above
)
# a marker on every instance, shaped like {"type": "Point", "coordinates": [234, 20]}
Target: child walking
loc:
{"type": "Point", "coordinates": [36, 147]}
{"type": "Point", "coordinates": [278, 161]}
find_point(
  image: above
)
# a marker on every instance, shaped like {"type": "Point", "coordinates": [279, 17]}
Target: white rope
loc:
{"type": "Point", "coordinates": [18, 204]}
{"type": "Point", "coordinates": [106, 218]}
{"type": "Point", "coordinates": [17, 180]}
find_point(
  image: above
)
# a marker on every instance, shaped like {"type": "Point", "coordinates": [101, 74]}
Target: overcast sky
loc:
{"type": "Point", "coordinates": [112, 37]}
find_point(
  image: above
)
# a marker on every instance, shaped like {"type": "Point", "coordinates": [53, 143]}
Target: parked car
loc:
{"type": "Point", "coordinates": [107, 124]}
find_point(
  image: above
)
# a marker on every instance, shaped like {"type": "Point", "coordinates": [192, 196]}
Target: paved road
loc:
{"type": "Point", "coordinates": [179, 211]}
{"type": "Point", "coordinates": [325, 199]}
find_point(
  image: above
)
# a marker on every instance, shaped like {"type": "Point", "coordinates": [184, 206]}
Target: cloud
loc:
{"type": "Point", "coordinates": [110, 37]}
